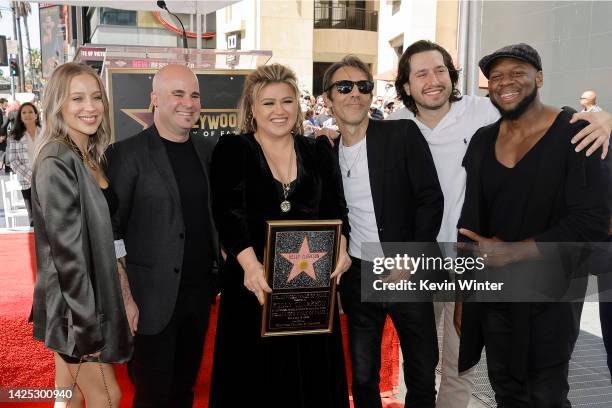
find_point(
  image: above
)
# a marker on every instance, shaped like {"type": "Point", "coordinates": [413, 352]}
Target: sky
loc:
{"type": "Point", "coordinates": [6, 26]}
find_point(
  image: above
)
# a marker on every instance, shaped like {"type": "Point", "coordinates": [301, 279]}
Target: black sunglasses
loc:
{"type": "Point", "coordinates": [346, 86]}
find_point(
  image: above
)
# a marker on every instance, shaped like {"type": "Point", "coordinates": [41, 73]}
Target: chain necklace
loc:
{"type": "Point", "coordinates": [285, 205]}
{"type": "Point", "coordinates": [85, 157]}
{"type": "Point", "coordinates": [348, 173]}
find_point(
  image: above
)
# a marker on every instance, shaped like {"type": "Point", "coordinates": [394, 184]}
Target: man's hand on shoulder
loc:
{"type": "Point", "coordinates": [596, 134]}
{"type": "Point", "coordinates": [329, 133]}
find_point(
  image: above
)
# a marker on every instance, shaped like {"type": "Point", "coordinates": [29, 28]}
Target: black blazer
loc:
{"type": "Point", "coordinates": [150, 221]}
{"type": "Point", "coordinates": [568, 204]}
{"type": "Point", "coordinates": [408, 200]}
{"type": "Point", "coordinates": [78, 308]}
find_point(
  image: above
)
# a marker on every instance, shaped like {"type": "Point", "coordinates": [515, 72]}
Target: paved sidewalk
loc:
{"type": "Point", "coordinates": [589, 323]}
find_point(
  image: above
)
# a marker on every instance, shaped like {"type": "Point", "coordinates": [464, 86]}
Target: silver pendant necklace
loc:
{"type": "Point", "coordinates": [348, 172]}
{"type": "Point", "coordinates": [285, 205]}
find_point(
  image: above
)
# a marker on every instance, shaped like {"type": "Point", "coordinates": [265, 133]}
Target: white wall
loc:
{"type": "Point", "coordinates": [416, 20]}
{"type": "Point", "coordinates": [574, 39]}
{"type": "Point", "coordinates": [135, 36]}
{"type": "Point", "coordinates": [283, 27]}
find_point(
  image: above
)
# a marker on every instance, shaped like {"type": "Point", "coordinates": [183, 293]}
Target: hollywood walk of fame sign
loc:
{"type": "Point", "coordinates": [299, 259]}
{"type": "Point", "coordinates": [130, 101]}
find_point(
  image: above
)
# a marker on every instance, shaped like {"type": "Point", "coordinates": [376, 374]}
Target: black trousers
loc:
{"type": "Point", "coordinates": [27, 199]}
{"type": "Point", "coordinates": [416, 329]}
{"type": "Point", "coordinates": [545, 387]}
{"type": "Point", "coordinates": [165, 366]}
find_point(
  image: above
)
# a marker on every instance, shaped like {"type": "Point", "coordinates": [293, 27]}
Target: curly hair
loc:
{"type": "Point", "coordinates": [403, 72]}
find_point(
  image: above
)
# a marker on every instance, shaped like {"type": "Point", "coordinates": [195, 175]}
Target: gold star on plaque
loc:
{"type": "Point", "coordinates": [303, 261]}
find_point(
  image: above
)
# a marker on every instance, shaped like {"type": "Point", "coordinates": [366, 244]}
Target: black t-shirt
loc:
{"type": "Point", "coordinates": [193, 191]}
{"type": "Point", "coordinates": [506, 191]}
{"type": "Point", "coordinates": [111, 200]}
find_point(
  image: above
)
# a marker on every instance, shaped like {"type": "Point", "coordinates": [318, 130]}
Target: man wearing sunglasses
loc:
{"type": "Point", "coordinates": [427, 83]}
{"type": "Point", "coordinates": [393, 195]}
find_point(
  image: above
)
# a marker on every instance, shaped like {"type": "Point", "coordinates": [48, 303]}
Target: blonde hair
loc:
{"type": "Point", "coordinates": [55, 128]}
{"type": "Point", "coordinates": [254, 83]}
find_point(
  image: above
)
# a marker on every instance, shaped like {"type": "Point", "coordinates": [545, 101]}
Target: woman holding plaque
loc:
{"type": "Point", "coordinates": [271, 172]}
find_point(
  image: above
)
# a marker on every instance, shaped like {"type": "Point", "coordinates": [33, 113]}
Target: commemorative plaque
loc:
{"type": "Point", "coordinates": [299, 258]}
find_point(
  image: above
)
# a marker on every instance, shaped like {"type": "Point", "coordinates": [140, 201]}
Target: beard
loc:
{"type": "Point", "coordinates": [521, 108]}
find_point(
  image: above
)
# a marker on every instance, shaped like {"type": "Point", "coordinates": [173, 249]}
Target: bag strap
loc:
{"type": "Point", "coordinates": [74, 383]}
{"type": "Point", "coordinates": [110, 402]}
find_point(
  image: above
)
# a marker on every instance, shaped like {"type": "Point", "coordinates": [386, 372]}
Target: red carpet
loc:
{"type": "Point", "coordinates": [24, 362]}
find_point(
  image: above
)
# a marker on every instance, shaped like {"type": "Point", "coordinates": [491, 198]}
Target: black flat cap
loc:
{"type": "Point", "coordinates": [520, 51]}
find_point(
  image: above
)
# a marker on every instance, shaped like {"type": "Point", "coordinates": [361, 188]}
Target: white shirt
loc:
{"type": "Point", "coordinates": [30, 142]}
{"type": "Point", "coordinates": [594, 108]}
{"type": "Point", "coordinates": [448, 142]}
{"type": "Point", "coordinates": [358, 195]}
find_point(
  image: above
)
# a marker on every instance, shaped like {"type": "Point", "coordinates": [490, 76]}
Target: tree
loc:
{"type": "Point", "coordinates": [17, 34]}
{"type": "Point", "coordinates": [24, 11]}
{"type": "Point", "coordinates": [34, 73]}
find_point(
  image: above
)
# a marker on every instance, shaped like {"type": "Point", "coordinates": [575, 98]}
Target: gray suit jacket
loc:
{"type": "Point", "coordinates": [150, 221]}
{"type": "Point", "coordinates": [78, 308]}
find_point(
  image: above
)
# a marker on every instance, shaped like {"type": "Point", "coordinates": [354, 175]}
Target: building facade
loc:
{"type": "Point", "coordinates": [103, 25]}
{"type": "Point", "coordinates": [572, 37]}
{"type": "Point", "coordinates": [306, 35]}
{"type": "Point", "coordinates": [309, 35]}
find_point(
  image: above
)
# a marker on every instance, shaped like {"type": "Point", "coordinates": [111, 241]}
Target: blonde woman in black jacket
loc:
{"type": "Point", "coordinates": [78, 308]}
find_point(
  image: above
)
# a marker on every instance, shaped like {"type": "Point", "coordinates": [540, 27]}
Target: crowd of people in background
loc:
{"type": "Point", "coordinates": [319, 120]}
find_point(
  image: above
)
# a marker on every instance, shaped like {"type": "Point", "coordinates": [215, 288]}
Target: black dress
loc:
{"type": "Point", "coordinates": [292, 371]}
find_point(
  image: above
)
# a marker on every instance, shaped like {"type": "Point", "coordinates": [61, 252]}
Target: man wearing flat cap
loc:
{"type": "Point", "coordinates": [526, 184]}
